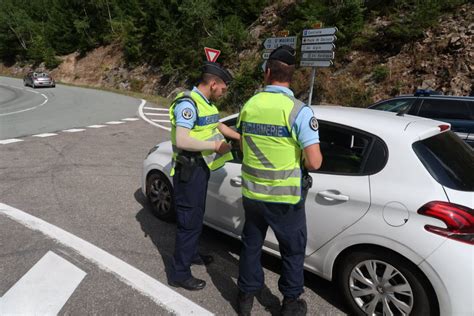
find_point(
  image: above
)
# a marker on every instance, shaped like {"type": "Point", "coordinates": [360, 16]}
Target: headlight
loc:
{"type": "Point", "coordinates": [153, 149]}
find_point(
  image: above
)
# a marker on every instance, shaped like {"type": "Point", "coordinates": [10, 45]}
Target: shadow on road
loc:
{"type": "Point", "coordinates": [225, 269]}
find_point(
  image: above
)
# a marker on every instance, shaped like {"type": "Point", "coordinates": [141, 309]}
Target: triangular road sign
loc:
{"type": "Point", "coordinates": [212, 54]}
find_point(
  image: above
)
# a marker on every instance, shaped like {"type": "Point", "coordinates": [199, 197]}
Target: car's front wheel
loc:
{"type": "Point", "coordinates": [383, 283]}
{"type": "Point", "coordinates": [160, 194]}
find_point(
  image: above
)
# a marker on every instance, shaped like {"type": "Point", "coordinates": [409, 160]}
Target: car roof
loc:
{"type": "Point", "coordinates": [381, 123]}
{"type": "Point", "coordinates": [434, 96]}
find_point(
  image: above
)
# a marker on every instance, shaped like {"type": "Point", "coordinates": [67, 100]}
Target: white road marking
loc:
{"type": "Point", "coordinates": [74, 130]}
{"type": "Point", "coordinates": [158, 292]}
{"type": "Point", "coordinates": [140, 112]}
{"type": "Point", "coordinates": [44, 289]}
{"type": "Point", "coordinates": [162, 121]}
{"type": "Point", "coordinates": [45, 135]}
{"type": "Point", "coordinates": [29, 109]}
{"type": "Point", "coordinates": [157, 114]}
{"type": "Point", "coordinates": [156, 109]}
{"type": "Point", "coordinates": [10, 141]}
{"type": "Point", "coordinates": [114, 122]}
{"type": "Point", "coordinates": [130, 119]}
{"type": "Point", "coordinates": [96, 126]}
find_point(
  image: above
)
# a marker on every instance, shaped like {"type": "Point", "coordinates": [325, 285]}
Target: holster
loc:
{"type": "Point", "coordinates": [307, 180]}
{"type": "Point", "coordinates": [185, 165]}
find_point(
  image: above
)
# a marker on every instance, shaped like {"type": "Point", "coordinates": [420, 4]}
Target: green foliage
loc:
{"type": "Point", "coordinates": [380, 73]}
{"type": "Point", "coordinates": [171, 34]}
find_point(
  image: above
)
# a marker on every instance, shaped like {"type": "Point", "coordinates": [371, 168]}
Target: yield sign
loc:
{"type": "Point", "coordinates": [212, 54]}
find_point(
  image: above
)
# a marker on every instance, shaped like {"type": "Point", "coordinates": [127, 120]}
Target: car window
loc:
{"type": "Point", "coordinates": [444, 109]}
{"type": "Point", "coordinates": [395, 105]}
{"type": "Point", "coordinates": [448, 159]}
{"type": "Point", "coordinates": [344, 149]}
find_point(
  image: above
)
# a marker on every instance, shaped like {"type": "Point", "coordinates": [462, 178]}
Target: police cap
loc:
{"type": "Point", "coordinates": [285, 54]}
{"type": "Point", "coordinates": [217, 70]}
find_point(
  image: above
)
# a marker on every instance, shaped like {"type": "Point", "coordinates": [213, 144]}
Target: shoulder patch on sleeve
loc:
{"type": "Point", "coordinates": [313, 123]}
{"type": "Point", "coordinates": [187, 113]}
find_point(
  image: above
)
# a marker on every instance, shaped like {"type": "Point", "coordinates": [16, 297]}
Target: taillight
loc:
{"type": "Point", "coordinates": [458, 219]}
{"type": "Point", "coordinates": [443, 127]}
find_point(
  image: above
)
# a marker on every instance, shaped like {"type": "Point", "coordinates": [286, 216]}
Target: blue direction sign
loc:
{"type": "Point", "coordinates": [319, 39]}
{"type": "Point", "coordinates": [318, 56]}
{"type": "Point", "coordinates": [320, 32]}
{"type": "Point", "coordinates": [322, 47]}
{"type": "Point", "coordinates": [275, 42]}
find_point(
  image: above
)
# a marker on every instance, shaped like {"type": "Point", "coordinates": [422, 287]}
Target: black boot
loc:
{"type": "Point", "coordinates": [245, 303]}
{"type": "Point", "coordinates": [293, 307]}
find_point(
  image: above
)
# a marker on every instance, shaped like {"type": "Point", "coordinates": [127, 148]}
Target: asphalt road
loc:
{"type": "Point", "coordinates": [26, 111]}
{"type": "Point", "coordinates": [88, 184]}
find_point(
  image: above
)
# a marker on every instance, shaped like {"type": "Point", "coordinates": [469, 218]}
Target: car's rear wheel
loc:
{"type": "Point", "coordinates": [160, 194]}
{"type": "Point", "coordinates": [383, 283]}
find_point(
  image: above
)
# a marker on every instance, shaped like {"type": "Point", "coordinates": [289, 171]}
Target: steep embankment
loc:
{"type": "Point", "coordinates": [441, 60]}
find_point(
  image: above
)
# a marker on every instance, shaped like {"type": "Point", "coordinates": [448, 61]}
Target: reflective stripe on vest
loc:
{"type": "Point", "coordinates": [205, 129]}
{"type": "Point", "coordinates": [271, 170]}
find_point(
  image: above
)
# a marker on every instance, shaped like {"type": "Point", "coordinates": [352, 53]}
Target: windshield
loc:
{"type": "Point", "coordinates": [448, 159]}
{"type": "Point", "coordinates": [395, 105]}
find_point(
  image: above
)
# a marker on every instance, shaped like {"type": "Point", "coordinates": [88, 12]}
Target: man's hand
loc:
{"type": "Point", "coordinates": [221, 147]}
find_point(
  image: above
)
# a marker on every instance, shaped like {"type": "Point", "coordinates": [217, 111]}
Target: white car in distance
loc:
{"type": "Point", "coordinates": [390, 214]}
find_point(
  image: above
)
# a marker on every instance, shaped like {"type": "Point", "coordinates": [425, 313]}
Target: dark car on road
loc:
{"type": "Point", "coordinates": [456, 110]}
{"type": "Point", "coordinates": [38, 79]}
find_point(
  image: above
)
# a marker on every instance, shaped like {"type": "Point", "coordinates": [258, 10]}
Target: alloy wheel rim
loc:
{"type": "Point", "coordinates": [160, 196]}
{"type": "Point", "coordinates": [378, 288]}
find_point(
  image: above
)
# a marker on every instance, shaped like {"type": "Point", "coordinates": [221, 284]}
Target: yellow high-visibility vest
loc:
{"type": "Point", "coordinates": [205, 128]}
{"type": "Point", "coordinates": [271, 168]}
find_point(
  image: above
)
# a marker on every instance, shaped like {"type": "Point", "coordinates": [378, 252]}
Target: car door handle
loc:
{"type": "Point", "coordinates": [237, 181]}
{"type": "Point", "coordinates": [333, 196]}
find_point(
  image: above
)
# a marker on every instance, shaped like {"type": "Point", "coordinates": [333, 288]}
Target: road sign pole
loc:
{"type": "Point", "coordinates": [313, 74]}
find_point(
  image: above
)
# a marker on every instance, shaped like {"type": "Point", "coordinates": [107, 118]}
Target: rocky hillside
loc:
{"type": "Point", "coordinates": [441, 60]}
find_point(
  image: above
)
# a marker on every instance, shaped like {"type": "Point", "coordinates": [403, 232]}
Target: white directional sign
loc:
{"type": "Point", "coordinates": [318, 56]}
{"type": "Point", "coordinates": [321, 47]}
{"type": "Point", "coordinates": [316, 63]}
{"type": "Point", "coordinates": [275, 42]}
{"type": "Point", "coordinates": [320, 32]}
{"type": "Point", "coordinates": [319, 39]}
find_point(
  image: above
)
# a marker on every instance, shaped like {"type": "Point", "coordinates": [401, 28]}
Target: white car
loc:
{"type": "Point", "coordinates": [390, 214]}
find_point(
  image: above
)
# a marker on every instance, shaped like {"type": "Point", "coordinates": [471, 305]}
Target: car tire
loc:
{"type": "Point", "coordinates": [159, 192]}
{"type": "Point", "coordinates": [374, 280]}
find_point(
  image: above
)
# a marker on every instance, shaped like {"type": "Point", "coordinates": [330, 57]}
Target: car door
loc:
{"type": "Point", "coordinates": [340, 194]}
{"type": "Point", "coordinates": [339, 197]}
{"type": "Point", "coordinates": [224, 195]}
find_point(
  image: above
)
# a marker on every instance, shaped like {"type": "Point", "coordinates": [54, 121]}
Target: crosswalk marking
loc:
{"type": "Point", "coordinates": [96, 126]}
{"type": "Point", "coordinates": [114, 122]}
{"type": "Point", "coordinates": [162, 121]}
{"type": "Point", "coordinates": [44, 289]}
{"type": "Point", "coordinates": [157, 291]}
{"type": "Point", "coordinates": [45, 135]}
{"type": "Point", "coordinates": [130, 119]}
{"type": "Point", "coordinates": [10, 141]}
{"type": "Point", "coordinates": [74, 130]}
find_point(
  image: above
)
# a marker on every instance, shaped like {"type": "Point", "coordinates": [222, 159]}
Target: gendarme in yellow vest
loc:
{"type": "Point", "coordinates": [205, 128]}
{"type": "Point", "coordinates": [271, 168]}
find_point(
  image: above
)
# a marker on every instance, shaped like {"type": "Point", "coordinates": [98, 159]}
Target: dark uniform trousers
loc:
{"type": "Point", "coordinates": [289, 224]}
{"type": "Point", "coordinates": [190, 201]}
